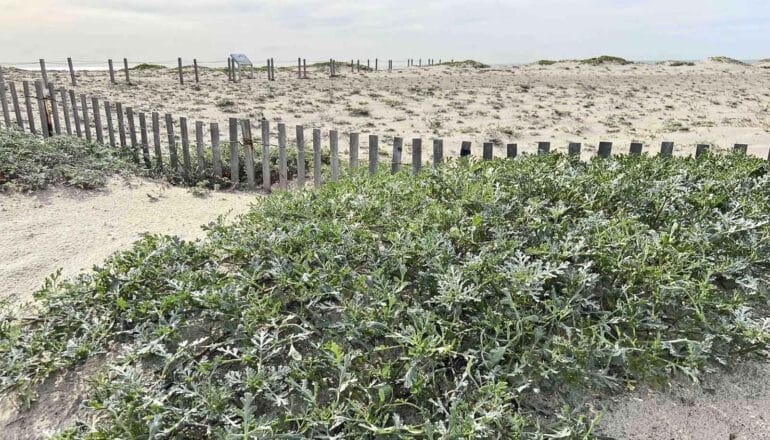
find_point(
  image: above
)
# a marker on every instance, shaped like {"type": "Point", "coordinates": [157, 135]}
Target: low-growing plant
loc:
{"type": "Point", "coordinates": [604, 59]}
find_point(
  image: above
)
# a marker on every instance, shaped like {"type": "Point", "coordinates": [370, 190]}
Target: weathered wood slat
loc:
{"type": "Point", "coordinates": [54, 108]}
{"type": "Point", "coordinates": [121, 125]}
{"type": "Point", "coordinates": [199, 150]}
{"type": "Point", "coordinates": [72, 72]}
{"type": "Point", "coordinates": [334, 153]}
{"type": "Point", "coordinates": [543, 148]}
{"type": "Point", "coordinates": [741, 148]}
{"type": "Point", "coordinates": [487, 151]}
{"type": "Point", "coordinates": [511, 150]}
{"type": "Point", "coordinates": [43, 72]}
{"type": "Point", "coordinates": [65, 110]}
{"type": "Point", "coordinates": [282, 165]}
{"type": "Point", "coordinates": [573, 149]}
{"type": "Point", "coordinates": [605, 149]}
{"type": "Point", "coordinates": [317, 157]}
{"type": "Point", "coordinates": [186, 162]}
{"type": "Point", "coordinates": [374, 151]}
{"type": "Point", "coordinates": [17, 107]}
{"type": "Point", "coordinates": [172, 153]}
{"type": "Point", "coordinates": [300, 135]}
{"type": "Point", "coordinates": [636, 148]}
{"type": "Point", "coordinates": [438, 152]}
{"type": "Point", "coordinates": [156, 140]}
{"type": "Point", "coordinates": [234, 161]}
{"type": "Point", "coordinates": [667, 149]}
{"type": "Point", "coordinates": [110, 125]}
{"type": "Point", "coordinates": [132, 134]}
{"type": "Point", "coordinates": [28, 105]}
{"type": "Point", "coordinates": [465, 149]}
{"type": "Point", "coordinates": [416, 155]}
{"type": "Point", "coordinates": [701, 149]}
{"type": "Point", "coordinates": [112, 71]}
{"type": "Point", "coordinates": [145, 140]}
{"type": "Point", "coordinates": [353, 151]}
{"type": "Point", "coordinates": [75, 114]}
{"type": "Point", "coordinates": [125, 66]}
{"type": "Point", "coordinates": [266, 183]}
{"type": "Point", "coordinates": [248, 148]}
{"type": "Point", "coordinates": [398, 147]}
{"type": "Point", "coordinates": [85, 117]}
{"type": "Point", "coordinates": [181, 75]}
{"type": "Point", "coordinates": [40, 96]}
{"type": "Point", "coordinates": [4, 101]}
{"type": "Point", "coordinates": [195, 67]}
{"type": "Point", "coordinates": [216, 153]}
{"type": "Point", "coordinates": [97, 120]}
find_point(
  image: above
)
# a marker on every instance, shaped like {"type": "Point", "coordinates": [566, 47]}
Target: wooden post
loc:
{"type": "Point", "coordinates": [304, 68]}
{"type": "Point", "coordinates": [185, 147]}
{"type": "Point", "coordinates": [72, 72]}
{"type": "Point", "coordinates": [156, 141]}
{"type": "Point", "coordinates": [398, 146]}
{"type": "Point", "coordinates": [195, 67]}
{"type": "Point", "coordinates": [331, 68]}
{"type": "Point", "coordinates": [375, 64]}
{"type": "Point", "coordinates": [465, 149]}
{"type": "Point", "coordinates": [438, 152]}
{"type": "Point", "coordinates": [75, 114]}
{"type": "Point", "coordinates": [64, 109]}
{"type": "Point", "coordinates": [741, 148]}
{"type": "Point", "coordinates": [487, 151]}
{"type": "Point", "coordinates": [40, 95]}
{"type": "Point", "coordinates": [43, 71]}
{"type": "Point", "coordinates": [352, 67]}
{"type": "Point", "coordinates": [234, 165]}
{"type": "Point", "coordinates": [605, 149]}
{"type": "Point", "coordinates": [54, 108]}
{"type": "Point", "coordinates": [132, 134]}
{"type": "Point", "coordinates": [172, 154]}
{"type": "Point", "coordinates": [334, 153]}
{"type": "Point", "coordinates": [199, 149]}
{"type": "Point", "coordinates": [248, 148]}
{"type": "Point", "coordinates": [299, 68]}
{"type": "Point", "coordinates": [181, 75]}
{"type": "Point", "coordinates": [17, 107]}
{"type": "Point", "coordinates": [4, 101]}
{"type": "Point", "coordinates": [317, 157]}
{"type": "Point", "coordinates": [121, 125]}
{"type": "Point", "coordinates": [110, 126]}
{"type": "Point", "coordinates": [272, 69]}
{"type": "Point", "coordinates": [112, 71]}
{"type": "Point", "coordinates": [416, 155]}
{"type": "Point", "coordinates": [636, 148]}
{"type": "Point", "coordinates": [282, 165]}
{"type": "Point", "coordinates": [145, 141]}
{"type": "Point", "coordinates": [266, 181]}
{"type": "Point", "coordinates": [374, 151]}
{"type": "Point", "coordinates": [28, 104]}
{"type": "Point", "coordinates": [667, 149]}
{"type": "Point", "coordinates": [511, 150]}
{"type": "Point", "coordinates": [216, 154]}
{"type": "Point", "coordinates": [267, 66]}
{"type": "Point", "coordinates": [86, 119]}
{"type": "Point", "coordinates": [229, 69]}
{"type": "Point", "coordinates": [701, 149]}
{"type": "Point", "coordinates": [97, 120]}
{"type": "Point", "coordinates": [300, 133]}
{"type": "Point", "coordinates": [353, 152]}
{"type": "Point", "coordinates": [543, 148]}
{"type": "Point", "coordinates": [125, 66]}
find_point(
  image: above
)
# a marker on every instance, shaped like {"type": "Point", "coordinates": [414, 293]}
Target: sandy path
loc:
{"type": "Point", "coordinates": [74, 229]}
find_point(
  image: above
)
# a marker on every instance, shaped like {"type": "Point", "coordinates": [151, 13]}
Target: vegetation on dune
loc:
{"type": "Point", "coordinates": [676, 63]}
{"type": "Point", "coordinates": [483, 299]}
{"type": "Point", "coordinates": [604, 59]}
{"type": "Point", "coordinates": [466, 63]}
{"type": "Point", "coordinates": [147, 66]}
{"type": "Point", "coordinates": [546, 62]}
{"type": "Point", "coordinates": [727, 60]}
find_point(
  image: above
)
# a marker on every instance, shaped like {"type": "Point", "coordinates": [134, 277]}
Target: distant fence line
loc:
{"type": "Point", "coordinates": [119, 126]}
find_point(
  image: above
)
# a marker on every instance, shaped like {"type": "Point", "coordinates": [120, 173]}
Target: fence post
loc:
{"type": "Point", "coordinates": [636, 148]}
{"type": "Point", "coordinates": [666, 149]}
{"type": "Point", "coordinates": [195, 67]}
{"type": "Point", "coordinates": [317, 157]}
{"type": "Point", "coordinates": [543, 148]}
{"type": "Point", "coordinates": [282, 165]}
{"type": "Point", "coordinates": [573, 149]}
{"type": "Point", "coordinates": [300, 132]}
{"type": "Point", "coordinates": [248, 148]}
{"type": "Point", "coordinates": [172, 155]}
{"type": "Point", "coordinates": [304, 68]}
{"type": "Point", "coordinates": [416, 155]}
{"type": "Point", "coordinates": [701, 149]}
{"type": "Point", "coordinates": [438, 152]}
{"type": "Point", "coordinates": [110, 126]}
{"type": "Point", "coordinates": [97, 120]}
{"type": "Point", "coordinates": [741, 148]}
{"type": "Point", "coordinates": [334, 153]}
{"type": "Point", "coordinates": [216, 154]}
{"type": "Point", "coordinates": [156, 140]}
{"type": "Point", "coordinates": [267, 66]}
{"type": "Point", "coordinates": [17, 107]}
{"type": "Point", "coordinates": [145, 141]}
{"type": "Point", "coordinates": [112, 71]}
{"type": "Point", "coordinates": [199, 149]}
{"type": "Point", "coordinates": [132, 134]}
{"type": "Point", "coordinates": [398, 146]}
{"type": "Point", "coordinates": [54, 108]}
{"type": "Point", "coordinates": [75, 114]}
{"type": "Point", "coordinates": [375, 64]}
{"type": "Point", "coordinates": [44, 127]}
{"type": "Point", "coordinates": [353, 152]}
{"type": "Point", "coordinates": [266, 180]}
{"type": "Point", "coordinates": [374, 151]}
{"type": "Point", "coordinates": [605, 149]}
{"type": "Point", "coordinates": [272, 69]}
{"type": "Point", "coordinates": [229, 69]}
{"type": "Point", "coordinates": [28, 104]}
{"type": "Point", "coordinates": [511, 150]}
{"type": "Point", "coordinates": [64, 108]}
{"type": "Point", "coordinates": [185, 147]}
{"type": "Point", "coordinates": [72, 72]}
{"type": "Point", "coordinates": [465, 149]}
{"type": "Point", "coordinates": [121, 124]}
{"type": "Point", "coordinates": [181, 75]}
{"type": "Point", "coordinates": [4, 101]}
{"type": "Point", "coordinates": [487, 151]}
{"type": "Point", "coordinates": [43, 71]}
{"type": "Point", "coordinates": [234, 165]}
{"type": "Point", "coordinates": [125, 66]}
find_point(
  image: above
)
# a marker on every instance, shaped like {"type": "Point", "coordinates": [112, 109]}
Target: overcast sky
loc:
{"type": "Point", "coordinates": [504, 31]}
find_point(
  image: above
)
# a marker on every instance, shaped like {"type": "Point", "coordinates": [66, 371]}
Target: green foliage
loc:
{"type": "Point", "coordinates": [146, 66]}
{"type": "Point", "coordinates": [30, 163]}
{"type": "Point", "coordinates": [604, 59]}
{"type": "Point", "coordinates": [466, 302]}
{"type": "Point", "coordinates": [546, 62]}
{"type": "Point", "coordinates": [467, 63]}
{"type": "Point", "coordinates": [727, 60]}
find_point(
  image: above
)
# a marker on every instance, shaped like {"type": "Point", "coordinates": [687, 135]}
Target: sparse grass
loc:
{"type": "Point", "coordinates": [727, 60]}
{"type": "Point", "coordinates": [546, 62]}
{"type": "Point", "coordinates": [604, 59]}
{"type": "Point", "coordinates": [467, 63]}
{"type": "Point", "coordinates": [146, 66]}
{"type": "Point", "coordinates": [479, 300]}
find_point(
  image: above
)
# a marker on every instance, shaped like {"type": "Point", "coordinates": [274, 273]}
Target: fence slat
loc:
{"type": "Point", "coordinates": [121, 125]}
{"type": "Point", "coordinates": [72, 72]}
{"type": "Point", "coordinates": [125, 66]}
{"type": "Point", "coordinates": [97, 120]}
{"type": "Point", "coordinates": [701, 149]}
{"type": "Point", "coordinates": [416, 155]}
{"type": "Point", "coordinates": [75, 114]}
{"type": "Point", "coordinates": [4, 101]}
{"type": "Point", "coordinates": [216, 154]}
{"type": "Point", "coordinates": [741, 148]}
{"type": "Point", "coordinates": [573, 149]}
{"type": "Point", "coordinates": [181, 75]}
{"type": "Point", "coordinates": [488, 151]}
{"type": "Point", "coordinates": [374, 151]}
{"type": "Point", "coordinates": [234, 161]}
{"type": "Point", "coordinates": [353, 151]}
{"type": "Point", "coordinates": [54, 108]}
{"type": "Point", "coordinates": [28, 105]}
{"type": "Point", "coordinates": [605, 149]}
{"type": "Point", "coordinates": [132, 134]}
{"type": "Point", "coordinates": [43, 71]}
{"type": "Point", "coordinates": [145, 141]}
{"type": "Point", "coordinates": [282, 165]}
{"type": "Point", "coordinates": [398, 147]}
{"type": "Point", "coordinates": [636, 148]}
{"type": "Point", "coordinates": [266, 184]}
{"type": "Point", "coordinates": [40, 95]}
{"type": "Point", "coordinates": [438, 152]}
{"type": "Point", "coordinates": [511, 150]}
{"type": "Point", "coordinates": [465, 149]}
{"type": "Point", "coordinates": [16, 106]}
{"type": "Point", "coordinates": [86, 119]}
{"type": "Point", "coordinates": [156, 140]}
{"type": "Point", "coordinates": [334, 153]}
{"type": "Point", "coordinates": [185, 147]}
{"type": "Point", "coordinates": [248, 148]}
{"type": "Point", "coordinates": [199, 150]}
{"type": "Point", "coordinates": [65, 109]}
{"type": "Point", "coordinates": [172, 156]}
{"type": "Point", "coordinates": [317, 157]}
{"type": "Point", "coordinates": [300, 135]}
{"type": "Point", "coordinates": [543, 148]}
{"type": "Point", "coordinates": [666, 149]}
{"type": "Point", "coordinates": [110, 125]}
{"type": "Point", "coordinates": [112, 71]}
{"type": "Point", "coordinates": [195, 67]}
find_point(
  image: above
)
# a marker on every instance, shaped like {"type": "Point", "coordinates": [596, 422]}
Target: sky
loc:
{"type": "Point", "coordinates": [491, 31]}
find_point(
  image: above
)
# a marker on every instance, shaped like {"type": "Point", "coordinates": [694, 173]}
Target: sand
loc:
{"type": "Point", "coordinates": [711, 102]}
{"type": "Point", "coordinates": [75, 229]}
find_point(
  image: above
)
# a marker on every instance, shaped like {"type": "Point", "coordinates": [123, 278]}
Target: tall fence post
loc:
{"type": "Point", "coordinates": [511, 150]}
{"type": "Point", "coordinates": [97, 120]}
{"type": "Point", "coordinates": [216, 154]}
{"type": "Point", "coordinates": [54, 108]}
{"type": "Point", "coordinates": [40, 95]}
{"type": "Point", "coordinates": [234, 165]}
{"type": "Point", "coordinates": [172, 154]}
{"type": "Point", "coordinates": [72, 72]}
{"type": "Point", "coordinates": [181, 75]}
{"type": "Point", "coordinates": [438, 152]}
{"type": "Point", "coordinates": [43, 71]}
{"type": "Point", "coordinates": [112, 71]}
{"type": "Point", "coordinates": [121, 124]}
{"type": "Point", "coordinates": [334, 153]}
{"type": "Point", "coordinates": [416, 155]}
{"type": "Point", "coordinates": [75, 114]}
{"type": "Point", "coordinates": [487, 151]}
{"type": "Point", "coordinates": [317, 157]}
{"type": "Point", "coordinates": [299, 68]}
{"type": "Point", "coordinates": [374, 151]}
{"type": "Point", "coordinates": [125, 66]}
{"type": "Point", "coordinates": [282, 165]}
{"type": "Point", "coordinates": [304, 68]}
{"type": "Point", "coordinates": [145, 140]}
{"type": "Point", "coordinates": [183, 133]}
{"type": "Point", "coordinates": [635, 148]}
{"type": "Point", "coordinates": [4, 101]}
{"type": "Point", "coordinates": [248, 148]}
{"type": "Point", "coordinates": [465, 149]}
{"type": "Point", "coordinates": [666, 149]}
{"type": "Point", "coordinates": [156, 141]}
{"type": "Point", "coordinates": [28, 105]}
{"type": "Point", "coordinates": [300, 135]}
{"type": "Point", "coordinates": [398, 147]}
{"type": "Point", "coordinates": [64, 109]}
{"type": "Point", "coordinates": [195, 67]}
{"type": "Point", "coordinates": [353, 151]}
{"type": "Point", "coordinates": [110, 126]}
{"type": "Point", "coordinates": [266, 181]}
{"type": "Point", "coordinates": [17, 107]}
{"type": "Point", "coordinates": [199, 150]}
